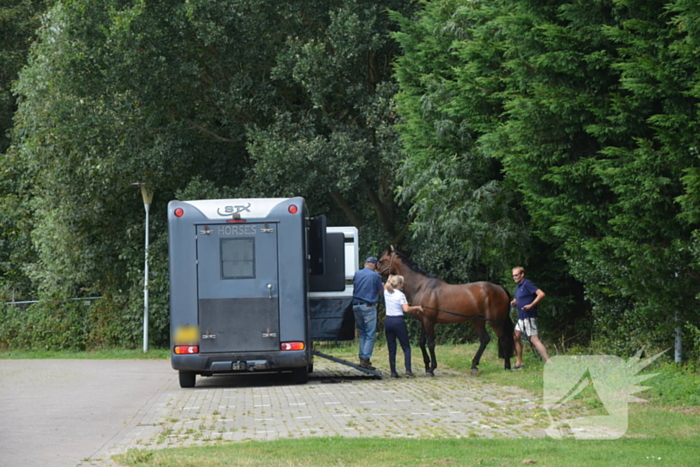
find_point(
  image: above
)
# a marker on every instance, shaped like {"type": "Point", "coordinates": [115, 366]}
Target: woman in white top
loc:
{"type": "Point", "coordinates": [394, 325]}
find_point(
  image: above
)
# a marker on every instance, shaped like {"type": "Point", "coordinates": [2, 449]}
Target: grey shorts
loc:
{"type": "Point", "coordinates": [527, 326]}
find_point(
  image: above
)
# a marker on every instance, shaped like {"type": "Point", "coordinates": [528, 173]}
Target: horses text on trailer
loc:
{"type": "Point", "coordinates": [253, 282]}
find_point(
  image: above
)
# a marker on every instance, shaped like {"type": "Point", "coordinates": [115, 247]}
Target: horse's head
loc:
{"type": "Point", "coordinates": [386, 264]}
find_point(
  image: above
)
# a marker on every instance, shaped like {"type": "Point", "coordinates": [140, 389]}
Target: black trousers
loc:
{"type": "Point", "coordinates": [395, 328]}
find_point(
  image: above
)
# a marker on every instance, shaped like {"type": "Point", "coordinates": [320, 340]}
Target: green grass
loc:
{"type": "Point", "coordinates": [631, 452]}
{"type": "Point", "coordinates": [102, 354]}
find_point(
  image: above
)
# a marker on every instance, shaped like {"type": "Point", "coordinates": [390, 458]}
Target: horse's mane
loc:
{"type": "Point", "coordinates": [413, 266]}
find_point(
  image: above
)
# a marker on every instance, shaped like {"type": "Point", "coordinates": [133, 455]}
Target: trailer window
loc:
{"type": "Point", "coordinates": [238, 258]}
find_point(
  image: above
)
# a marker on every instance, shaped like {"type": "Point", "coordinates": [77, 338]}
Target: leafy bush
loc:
{"type": "Point", "coordinates": [60, 324]}
{"type": "Point", "coordinates": [48, 324]}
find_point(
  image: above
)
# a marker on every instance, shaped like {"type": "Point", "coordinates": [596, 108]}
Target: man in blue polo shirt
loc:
{"type": "Point", "coordinates": [527, 296]}
{"type": "Point", "coordinates": [367, 286]}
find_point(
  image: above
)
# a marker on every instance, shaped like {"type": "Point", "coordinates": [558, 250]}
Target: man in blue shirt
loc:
{"type": "Point", "coordinates": [367, 286]}
{"type": "Point", "coordinates": [527, 296]}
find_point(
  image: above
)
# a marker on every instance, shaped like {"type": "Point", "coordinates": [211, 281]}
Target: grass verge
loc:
{"type": "Point", "coordinates": [434, 452]}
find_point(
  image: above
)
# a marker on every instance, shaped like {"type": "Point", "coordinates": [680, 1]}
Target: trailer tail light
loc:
{"type": "Point", "coordinates": [179, 212]}
{"type": "Point", "coordinates": [293, 209]}
{"type": "Point", "coordinates": [186, 349]}
{"type": "Point", "coordinates": [292, 346]}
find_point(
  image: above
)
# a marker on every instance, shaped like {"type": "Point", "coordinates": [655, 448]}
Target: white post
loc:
{"type": "Point", "coordinates": [679, 345]}
{"type": "Point", "coordinates": [147, 207]}
{"type": "Point", "coordinates": [147, 199]}
{"type": "Point", "coordinates": [679, 335]}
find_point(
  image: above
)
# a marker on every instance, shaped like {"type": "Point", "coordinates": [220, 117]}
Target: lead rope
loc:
{"type": "Point", "coordinates": [466, 316]}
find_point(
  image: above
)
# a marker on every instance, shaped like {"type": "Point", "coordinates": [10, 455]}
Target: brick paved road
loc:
{"type": "Point", "coordinates": [335, 402]}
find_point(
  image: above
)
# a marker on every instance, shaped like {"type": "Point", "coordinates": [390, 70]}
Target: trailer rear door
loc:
{"type": "Point", "coordinates": [238, 287]}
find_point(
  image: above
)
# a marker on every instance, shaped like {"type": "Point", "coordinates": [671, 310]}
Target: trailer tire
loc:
{"type": "Point", "coordinates": [300, 375]}
{"type": "Point", "coordinates": [187, 379]}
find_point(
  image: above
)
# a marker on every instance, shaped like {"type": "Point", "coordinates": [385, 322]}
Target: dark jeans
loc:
{"type": "Point", "coordinates": [395, 328]}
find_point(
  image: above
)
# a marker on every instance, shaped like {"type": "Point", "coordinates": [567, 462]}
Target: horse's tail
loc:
{"type": "Point", "coordinates": [506, 344]}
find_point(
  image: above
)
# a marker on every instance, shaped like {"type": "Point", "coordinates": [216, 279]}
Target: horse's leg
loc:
{"type": "Point", "coordinates": [506, 341]}
{"type": "Point", "coordinates": [484, 340]}
{"type": "Point", "coordinates": [430, 363]}
{"type": "Point", "coordinates": [423, 339]}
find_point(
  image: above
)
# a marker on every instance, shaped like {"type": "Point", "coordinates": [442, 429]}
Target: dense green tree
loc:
{"type": "Point", "coordinates": [591, 109]}
{"type": "Point", "coordinates": [336, 138]}
{"type": "Point", "coordinates": [559, 135]}
{"type": "Point", "coordinates": [19, 20]}
{"type": "Point", "coordinates": [469, 225]}
{"type": "Point", "coordinates": [197, 98]}
{"type": "Point", "coordinates": [606, 92]}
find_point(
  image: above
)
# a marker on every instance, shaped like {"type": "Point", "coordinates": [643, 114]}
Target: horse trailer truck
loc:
{"type": "Point", "coordinates": [253, 283]}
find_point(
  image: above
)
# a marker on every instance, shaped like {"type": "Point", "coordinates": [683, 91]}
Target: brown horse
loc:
{"type": "Point", "coordinates": [479, 302]}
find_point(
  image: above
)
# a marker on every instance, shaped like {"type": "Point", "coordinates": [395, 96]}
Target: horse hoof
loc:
{"type": "Point", "coordinates": [474, 371]}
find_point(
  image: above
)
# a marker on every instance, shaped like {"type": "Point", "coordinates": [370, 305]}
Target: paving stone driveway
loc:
{"type": "Point", "coordinates": [337, 401]}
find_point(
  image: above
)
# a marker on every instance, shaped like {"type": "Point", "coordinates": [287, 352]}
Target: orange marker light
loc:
{"type": "Point", "coordinates": [186, 349]}
{"type": "Point", "coordinates": [292, 346]}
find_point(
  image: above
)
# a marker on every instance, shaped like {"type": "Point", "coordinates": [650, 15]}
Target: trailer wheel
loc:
{"type": "Point", "coordinates": [300, 375]}
{"type": "Point", "coordinates": [187, 379]}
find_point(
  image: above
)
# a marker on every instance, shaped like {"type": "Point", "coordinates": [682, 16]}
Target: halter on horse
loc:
{"type": "Point", "coordinates": [479, 302]}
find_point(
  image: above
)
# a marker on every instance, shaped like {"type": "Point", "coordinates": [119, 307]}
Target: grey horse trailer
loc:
{"type": "Point", "coordinates": [253, 283]}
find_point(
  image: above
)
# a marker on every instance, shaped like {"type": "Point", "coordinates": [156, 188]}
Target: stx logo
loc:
{"type": "Point", "coordinates": [231, 210]}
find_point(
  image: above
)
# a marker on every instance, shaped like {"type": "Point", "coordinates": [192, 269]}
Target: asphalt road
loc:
{"type": "Point", "coordinates": [62, 413]}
